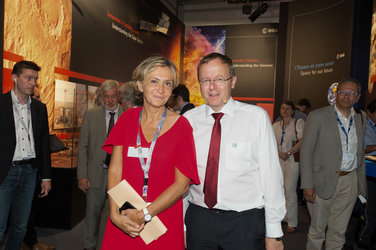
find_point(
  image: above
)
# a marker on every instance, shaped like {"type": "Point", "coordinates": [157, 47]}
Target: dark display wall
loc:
{"type": "Point", "coordinates": [253, 50]}
{"type": "Point", "coordinates": [107, 40]}
{"type": "Point", "coordinates": [318, 46]}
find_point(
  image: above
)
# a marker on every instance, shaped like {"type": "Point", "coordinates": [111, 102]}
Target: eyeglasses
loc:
{"type": "Point", "coordinates": [347, 92]}
{"type": "Point", "coordinates": [218, 81]}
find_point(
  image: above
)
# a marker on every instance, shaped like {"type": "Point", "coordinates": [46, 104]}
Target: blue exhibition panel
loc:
{"type": "Point", "coordinates": [371, 168]}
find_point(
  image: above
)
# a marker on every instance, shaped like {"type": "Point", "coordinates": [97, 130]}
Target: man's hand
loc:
{"type": "Point", "coordinates": [84, 184]}
{"type": "Point", "coordinates": [309, 194]}
{"type": "Point", "coordinates": [273, 244]}
{"type": "Point", "coordinates": [45, 188]}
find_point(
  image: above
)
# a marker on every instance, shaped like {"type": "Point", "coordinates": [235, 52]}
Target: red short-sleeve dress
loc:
{"type": "Point", "coordinates": [173, 148]}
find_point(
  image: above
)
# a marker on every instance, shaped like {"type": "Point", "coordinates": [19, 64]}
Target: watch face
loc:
{"type": "Point", "coordinates": [147, 217]}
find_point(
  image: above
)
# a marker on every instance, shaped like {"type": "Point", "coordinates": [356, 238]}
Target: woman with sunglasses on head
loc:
{"type": "Point", "coordinates": [163, 175]}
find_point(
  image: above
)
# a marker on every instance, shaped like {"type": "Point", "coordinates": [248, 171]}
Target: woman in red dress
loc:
{"type": "Point", "coordinates": [168, 166]}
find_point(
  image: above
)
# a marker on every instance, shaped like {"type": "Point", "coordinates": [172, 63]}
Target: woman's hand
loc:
{"type": "Point", "coordinates": [126, 224]}
{"type": "Point", "coordinates": [135, 215]}
{"type": "Point", "coordinates": [283, 155]}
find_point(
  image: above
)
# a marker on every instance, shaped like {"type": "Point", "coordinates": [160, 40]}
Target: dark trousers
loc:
{"type": "Point", "coordinates": [227, 230]}
{"type": "Point", "coordinates": [31, 237]}
{"type": "Point", "coordinates": [367, 234]}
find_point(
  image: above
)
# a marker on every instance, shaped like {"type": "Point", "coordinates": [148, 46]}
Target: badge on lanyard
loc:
{"type": "Point", "coordinates": [146, 166]}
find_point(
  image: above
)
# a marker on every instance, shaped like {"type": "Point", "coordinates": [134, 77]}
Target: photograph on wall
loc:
{"type": "Point", "coordinates": [64, 104]}
{"type": "Point", "coordinates": [253, 49]}
{"type": "Point", "coordinates": [371, 93]}
{"type": "Point", "coordinates": [81, 104]}
{"type": "Point", "coordinates": [200, 41]}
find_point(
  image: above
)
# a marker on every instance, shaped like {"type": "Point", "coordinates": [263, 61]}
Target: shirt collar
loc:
{"type": "Point", "coordinates": [340, 114]}
{"type": "Point", "coordinates": [227, 109]}
{"type": "Point", "coordinates": [15, 99]}
{"type": "Point", "coordinates": [108, 111]}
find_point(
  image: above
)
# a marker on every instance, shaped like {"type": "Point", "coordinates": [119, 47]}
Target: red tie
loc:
{"type": "Point", "coordinates": [211, 175]}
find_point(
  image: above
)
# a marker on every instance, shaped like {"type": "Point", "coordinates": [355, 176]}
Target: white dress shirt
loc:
{"type": "Point", "coordinates": [349, 158]}
{"type": "Point", "coordinates": [24, 130]}
{"type": "Point", "coordinates": [249, 175]}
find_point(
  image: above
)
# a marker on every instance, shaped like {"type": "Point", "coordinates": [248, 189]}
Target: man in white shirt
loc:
{"type": "Point", "coordinates": [244, 207]}
{"type": "Point", "coordinates": [93, 162]}
{"type": "Point", "coordinates": [332, 166]}
{"type": "Point", "coordinates": [24, 152]}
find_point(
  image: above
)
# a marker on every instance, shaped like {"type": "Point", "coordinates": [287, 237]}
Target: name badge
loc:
{"type": "Point", "coordinates": [348, 157]}
{"type": "Point", "coordinates": [133, 152]}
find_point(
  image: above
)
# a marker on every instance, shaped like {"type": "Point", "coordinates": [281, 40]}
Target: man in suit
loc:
{"type": "Point", "coordinates": [333, 167]}
{"type": "Point", "coordinates": [181, 95]}
{"type": "Point", "coordinates": [24, 152]}
{"type": "Point", "coordinates": [93, 162]}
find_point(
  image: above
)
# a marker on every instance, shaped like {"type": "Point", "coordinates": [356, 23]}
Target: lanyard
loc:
{"type": "Point", "coordinates": [343, 128]}
{"type": "Point", "coordinates": [283, 132]}
{"type": "Point", "coordinates": [146, 167]}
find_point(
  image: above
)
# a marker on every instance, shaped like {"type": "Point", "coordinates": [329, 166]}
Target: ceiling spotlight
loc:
{"type": "Point", "coordinates": [247, 9]}
{"type": "Point", "coordinates": [258, 12]}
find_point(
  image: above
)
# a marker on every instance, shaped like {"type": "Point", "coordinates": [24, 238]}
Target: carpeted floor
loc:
{"type": "Point", "coordinates": [73, 239]}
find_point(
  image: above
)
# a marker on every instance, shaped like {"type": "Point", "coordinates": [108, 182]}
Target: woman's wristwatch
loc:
{"type": "Point", "coordinates": [147, 216]}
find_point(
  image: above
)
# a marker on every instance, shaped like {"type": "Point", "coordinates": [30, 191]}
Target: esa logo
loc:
{"type": "Point", "coordinates": [269, 31]}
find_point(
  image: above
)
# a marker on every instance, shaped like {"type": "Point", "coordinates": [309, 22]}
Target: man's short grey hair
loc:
{"type": "Point", "coordinates": [128, 92]}
{"type": "Point", "coordinates": [108, 85]}
{"type": "Point", "coordinates": [349, 79]}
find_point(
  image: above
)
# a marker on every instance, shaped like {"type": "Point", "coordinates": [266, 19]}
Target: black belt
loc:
{"type": "Point", "coordinates": [22, 162]}
{"type": "Point", "coordinates": [215, 210]}
{"type": "Point", "coordinates": [220, 211]}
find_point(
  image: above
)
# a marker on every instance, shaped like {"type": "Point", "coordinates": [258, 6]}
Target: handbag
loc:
{"type": "Point", "coordinates": [297, 154]}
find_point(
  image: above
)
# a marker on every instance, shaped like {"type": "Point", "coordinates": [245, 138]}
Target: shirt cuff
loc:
{"type": "Point", "coordinates": [274, 230]}
{"type": "Point", "coordinates": [46, 179]}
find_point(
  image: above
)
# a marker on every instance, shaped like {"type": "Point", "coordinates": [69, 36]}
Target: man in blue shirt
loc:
{"type": "Point", "coordinates": [370, 149]}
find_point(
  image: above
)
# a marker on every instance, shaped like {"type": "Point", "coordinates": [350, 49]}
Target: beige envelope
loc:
{"type": "Point", "coordinates": [123, 192]}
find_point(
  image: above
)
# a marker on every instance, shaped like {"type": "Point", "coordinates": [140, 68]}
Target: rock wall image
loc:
{"type": "Point", "coordinates": [40, 31]}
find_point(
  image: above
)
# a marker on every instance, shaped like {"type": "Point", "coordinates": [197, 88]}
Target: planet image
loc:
{"type": "Point", "coordinates": [331, 93]}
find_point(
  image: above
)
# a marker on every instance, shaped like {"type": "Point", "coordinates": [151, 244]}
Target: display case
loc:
{"type": "Point", "coordinates": [71, 102]}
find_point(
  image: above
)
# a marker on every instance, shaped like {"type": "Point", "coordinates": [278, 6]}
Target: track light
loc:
{"type": "Point", "coordinates": [258, 12]}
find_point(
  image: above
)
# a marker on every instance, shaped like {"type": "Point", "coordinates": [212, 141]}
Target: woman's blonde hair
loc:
{"type": "Point", "coordinates": [150, 64]}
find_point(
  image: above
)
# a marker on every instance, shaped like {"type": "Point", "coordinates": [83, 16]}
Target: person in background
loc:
{"type": "Point", "coordinates": [181, 95]}
{"type": "Point", "coordinates": [289, 134]}
{"type": "Point", "coordinates": [240, 202]}
{"type": "Point", "coordinates": [304, 105]}
{"type": "Point", "coordinates": [24, 152]}
{"type": "Point", "coordinates": [297, 115]}
{"type": "Point", "coordinates": [128, 97]}
{"type": "Point", "coordinates": [332, 166]}
{"type": "Point", "coordinates": [93, 162]}
{"type": "Point", "coordinates": [367, 234]}
{"type": "Point", "coordinates": [31, 239]}
{"type": "Point", "coordinates": [171, 160]}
